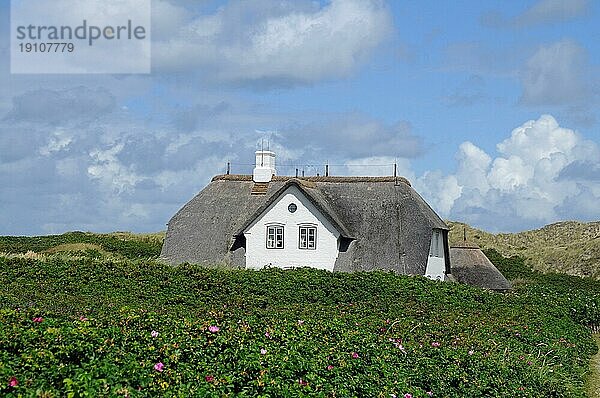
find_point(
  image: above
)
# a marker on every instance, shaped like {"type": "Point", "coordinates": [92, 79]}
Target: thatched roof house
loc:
{"type": "Point", "coordinates": [334, 223]}
{"type": "Point", "coordinates": [471, 266]}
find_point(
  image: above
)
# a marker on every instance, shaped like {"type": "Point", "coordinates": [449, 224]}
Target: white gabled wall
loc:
{"type": "Point", "coordinates": [436, 262]}
{"type": "Point", "coordinates": [323, 257]}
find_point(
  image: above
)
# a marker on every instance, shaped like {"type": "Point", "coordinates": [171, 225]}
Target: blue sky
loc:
{"type": "Point", "coordinates": [489, 108]}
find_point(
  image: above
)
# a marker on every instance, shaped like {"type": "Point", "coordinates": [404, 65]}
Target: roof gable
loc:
{"type": "Point", "coordinates": [312, 195]}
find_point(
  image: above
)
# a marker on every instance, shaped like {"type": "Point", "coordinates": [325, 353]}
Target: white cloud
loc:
{"type": "Point", "coordinates": [555, 75]}
{"type": "Point", "coordinates": [541, 169]}
{"type": "Point", "coordinates": [508, 174]}
{"type": "Point", "coordinates": [107, 168]}
{"type": "Point", "coordinates": [59, 140]}
{"type": "Point", "coordinates": [442, 190]}
{"type": "Point", "coordinates": [473, 164]}
{"type": "Point", "coordinates": [286, 42]}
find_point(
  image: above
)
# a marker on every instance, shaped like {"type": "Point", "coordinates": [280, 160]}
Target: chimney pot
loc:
{"type": "Point", "coordinates": [264, 168]}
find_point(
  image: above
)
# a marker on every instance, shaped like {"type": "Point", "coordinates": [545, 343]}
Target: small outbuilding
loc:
{"type": "Point", "coordinates": [472, 267]}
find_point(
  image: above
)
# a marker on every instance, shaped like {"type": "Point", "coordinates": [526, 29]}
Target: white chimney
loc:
{"type": "Point", "coordinates": [264, 168]}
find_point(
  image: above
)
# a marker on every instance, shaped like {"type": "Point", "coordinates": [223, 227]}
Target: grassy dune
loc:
{"type": "Point", "coordinates": [567, 247]}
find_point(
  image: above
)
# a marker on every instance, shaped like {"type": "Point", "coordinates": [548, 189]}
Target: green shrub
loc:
{"type": "Point", "coordinates": [280, 333]}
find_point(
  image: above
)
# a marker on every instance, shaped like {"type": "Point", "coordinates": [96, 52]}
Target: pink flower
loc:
{"type": "Point", "coordinates": [13, 382]}
{"type": "Point", "coordinates": [154, 333]}
{"type": "Point", "coordinates": [159, 367]}
{"type": "Point", "coordinates": [435, 344]}
{"type": "Point", "coordinates": [430, 393]}
{"type": "Point", "coordinates": [267, 335]}
{"type": "Point", "coordinates": [213, 329]}
{"type": "Point", "coordinates": [407, 395]}
{"type": "Point", "coordinates": [302, 382]}
{"type": "Point", "coordinates": [471, 352]}
{"type": "Point", "coordinates": [329, 367]}
{"type": "Point", "coordinates": [355, 355]}
{"type": "Point", "coordinates": [83, 319]}
{"type": "Point", "coordinates": [300, 321]}
{"type": "Point", "coordinates": [38, 319]}
{"type": "Point", "coordinates": [263, 351]}
{"type": "Point", "coordinates": [209, 379]}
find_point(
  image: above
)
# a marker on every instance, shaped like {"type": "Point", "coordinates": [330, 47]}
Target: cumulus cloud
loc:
{"type": "Point", "coordinates": [555, 75]}
{"type": "Point", "coordinates": [543, 173]}
{"type": "Point", "coordinates": [541, 12]}
{"type": "Point", "coordinates": [581, 171]}
{"type": "Point", "coordinates": [442, 190]}
{"type": "Point", "coordinates": [287, 42]}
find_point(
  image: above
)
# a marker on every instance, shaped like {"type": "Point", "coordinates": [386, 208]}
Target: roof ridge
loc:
{"type": "Point", "coordinates": [334, 179]}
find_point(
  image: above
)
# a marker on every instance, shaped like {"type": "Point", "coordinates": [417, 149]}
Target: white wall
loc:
{"type": "Point", "coordinates": [257, 254]}
{"type": "Point", "coordinates": [436, 262]}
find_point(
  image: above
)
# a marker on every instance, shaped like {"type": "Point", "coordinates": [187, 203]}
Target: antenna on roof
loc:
{"type": "Point", "coordinates": [327, 169]}
{"type": "Point", "coordinates": [262, 152]}
{"type": "Point", "coordinates": [464, 233]}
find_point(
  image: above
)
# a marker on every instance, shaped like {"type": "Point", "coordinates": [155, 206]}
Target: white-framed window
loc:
{"type": "Point", "coordinates": [307, 237]}
{"type": "Point", "coordinates": [437, 244]}
{"type": "Point", "coordinates": [274, 236]}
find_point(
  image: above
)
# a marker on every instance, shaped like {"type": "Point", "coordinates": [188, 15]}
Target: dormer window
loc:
{"type": "Point", "coordinates": [307, 237]}
{"type": "Point", "coordinates": [274, 236]}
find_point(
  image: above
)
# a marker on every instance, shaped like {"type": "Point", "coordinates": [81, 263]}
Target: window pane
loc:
{"type": "Point", "coordinates": [307, 237]}
{"type": "Point", "coordinates": [302, 243]}
{"type": "Point", "coordinates": [311, 238]}
{"type": "Point", "coordinates": [270, 238]}
{"type": "Point", "coordinates": [279, 237]}
{"type": "Point", "coordinates": [274, 237]}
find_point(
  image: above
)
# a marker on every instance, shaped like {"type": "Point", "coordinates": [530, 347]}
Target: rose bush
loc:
{"type": "Point", "coordinates": [140, 328]}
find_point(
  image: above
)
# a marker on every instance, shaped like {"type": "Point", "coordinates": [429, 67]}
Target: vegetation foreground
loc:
{"type": "Point", "coordinates": [99, 321]}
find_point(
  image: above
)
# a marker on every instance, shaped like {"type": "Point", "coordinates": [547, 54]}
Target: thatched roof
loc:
{"type": "Point", "coordinates": [387, 225]}
{"type": "Point", "coordinates": [472, 267]}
